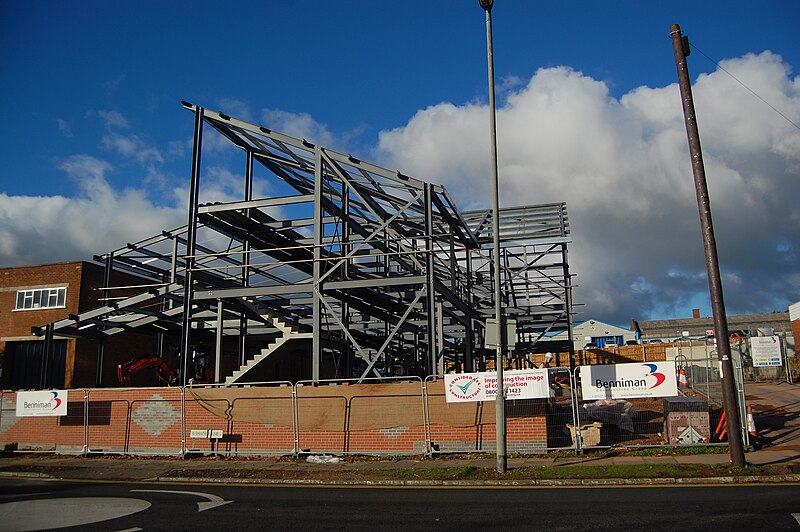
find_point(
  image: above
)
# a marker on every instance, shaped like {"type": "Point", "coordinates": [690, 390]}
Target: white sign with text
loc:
{"type": "Point", "coordinates": [520, 384]}
{"type": "Point", "coordinates": [49, 403]}
{"type": "Point", "coordinates": [766, 351]}
{"type": "Point", "coordinates": [627, 381]}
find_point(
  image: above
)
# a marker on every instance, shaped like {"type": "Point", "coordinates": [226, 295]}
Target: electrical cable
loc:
{"type": "Point", "coordinates": [745, 86]}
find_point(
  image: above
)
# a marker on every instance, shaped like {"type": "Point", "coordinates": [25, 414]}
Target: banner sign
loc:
{"type": "Point", "coordinates": [49, 403]}
{"type": "Point", "coordinates": [520, 384]}
{"type": "Point", "coordinates": [627, 381]}
{"type": "Point", "coordinates": [766, 351]}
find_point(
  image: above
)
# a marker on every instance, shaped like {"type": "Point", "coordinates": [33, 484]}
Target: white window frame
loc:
{"type": "Point", "coordinates": [41, 298]}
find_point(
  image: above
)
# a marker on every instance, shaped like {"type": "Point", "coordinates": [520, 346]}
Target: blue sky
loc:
{"type": "Point", "coordinates": [93, 126]}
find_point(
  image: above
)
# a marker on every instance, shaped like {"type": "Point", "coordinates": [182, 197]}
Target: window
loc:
{"type": "Point", "coordinates": [41, 298]}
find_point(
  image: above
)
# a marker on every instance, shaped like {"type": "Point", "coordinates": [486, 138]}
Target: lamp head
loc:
{"type": "Point", "coordinates": [486, 4]}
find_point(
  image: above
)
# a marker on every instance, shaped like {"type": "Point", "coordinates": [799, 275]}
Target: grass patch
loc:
{"type": "Point", "coordinates": [571, 472]}
{"type": "Point", "coordinates": [675, 451]}
{"type": "Point", "coordinates": [434, 473]}
{"type": "Point", "coordinates": [634, 471]}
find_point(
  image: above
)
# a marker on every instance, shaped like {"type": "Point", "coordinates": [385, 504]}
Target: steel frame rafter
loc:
{"type": "Point", "coordinates": [379, 268]}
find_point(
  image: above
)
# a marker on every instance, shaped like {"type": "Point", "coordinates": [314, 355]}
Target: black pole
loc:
{"type": "Point", "coordinates": [48, 348]}
{"type": "Point", "coordinates": [680, 46]}
{"type": "Point", "coordinates": [101, 345]}
{"type": "Point", "coordinates": [248, 196]}
{"type": "Point", "coordinates": [191, 239]}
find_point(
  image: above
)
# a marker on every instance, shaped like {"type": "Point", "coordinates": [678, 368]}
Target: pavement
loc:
{"type": "Point", "coordinates": [776, 409]}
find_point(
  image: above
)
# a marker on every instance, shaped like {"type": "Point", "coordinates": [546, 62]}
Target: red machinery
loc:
{"type": "Point", "coordinates": [163, 371]}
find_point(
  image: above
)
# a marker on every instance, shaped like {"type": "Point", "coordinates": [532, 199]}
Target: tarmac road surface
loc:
{"type": "Point", "coordinates": [87, 506]}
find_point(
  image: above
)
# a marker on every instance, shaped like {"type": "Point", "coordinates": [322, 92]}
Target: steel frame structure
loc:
{"type": "Point", "coordinates": [368, 271]}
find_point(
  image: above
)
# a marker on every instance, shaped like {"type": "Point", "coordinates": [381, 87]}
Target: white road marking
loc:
{"type": "Point", "coordinates": [47, 514]}
{"type": "Point", "coordinates": [213, 500]}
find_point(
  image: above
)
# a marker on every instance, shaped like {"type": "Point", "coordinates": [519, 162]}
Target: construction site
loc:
{"type": "Point", "coordinates": [326, 316]}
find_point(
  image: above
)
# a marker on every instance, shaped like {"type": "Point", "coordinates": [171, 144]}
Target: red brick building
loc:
{"type": "Point", "coordinates": [33, 296]}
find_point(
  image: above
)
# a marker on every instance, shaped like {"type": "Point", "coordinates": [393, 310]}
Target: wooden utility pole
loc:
{"type": "Point", "coordinates": [680, 46]}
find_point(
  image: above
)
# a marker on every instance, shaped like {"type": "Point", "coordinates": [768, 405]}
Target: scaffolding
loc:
{"type": "Point", "coordinates": [352, 271]}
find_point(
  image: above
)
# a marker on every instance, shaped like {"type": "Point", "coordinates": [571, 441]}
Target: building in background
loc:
{"type": "Point", "coordinates": [33, 296]}
{"type": "Point", "coordinates": [744, 325]}
{"type": "Point", "coordinates": [593, 333]}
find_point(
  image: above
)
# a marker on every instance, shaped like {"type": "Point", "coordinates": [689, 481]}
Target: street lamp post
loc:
{"type": "Point", "coordinates": [500, 399]}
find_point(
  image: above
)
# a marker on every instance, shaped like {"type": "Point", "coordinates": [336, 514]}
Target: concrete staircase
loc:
{"type": "Point", "coordinates": [290, 332]}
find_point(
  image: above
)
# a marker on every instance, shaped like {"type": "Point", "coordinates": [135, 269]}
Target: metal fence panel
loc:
{"type": "Point", "coordinates": [153, 420]}
{"type": "Point", "coordinates": [342, 416]}
{"type": "Point", "coordinates": [244, 421]}
{"type": "Point", "coordinates": [395, 416]}
{"type": "Point", "coordinates": [469, 427]}
{"type": "Point", "coordinates": [561, 432]}
{"type": "Point", "coordinates": [689, 419]}
{"type": "Point", "coordinates": [56, 434]}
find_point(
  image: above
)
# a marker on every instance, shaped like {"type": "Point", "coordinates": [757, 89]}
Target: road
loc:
{"type": "Point", "coordinates": [86, 506]}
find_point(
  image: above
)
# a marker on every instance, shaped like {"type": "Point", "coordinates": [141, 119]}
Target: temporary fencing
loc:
{"type": "Point", "coordinates": [697, 351]}
{"type": "Point", "coordinates": [704, 378]}
{"type": "Point", "coordinates": [257, 419]}
{"type": "Point", "coordinates": [403, 416]}
{"type": "Point", "coordinates": [687, 419]}
{"type": "Point", "coordinates": [384, 416]}
{"type": "Point", "coordinates": [561, 410]}
{"type": "Point", "coordinates": [65, 434]}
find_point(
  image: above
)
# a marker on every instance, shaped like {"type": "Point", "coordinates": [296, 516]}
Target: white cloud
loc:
{"type": "Point", "coordinates": [299, 125]}
{"type": "Point", "coordinates": [39, 230]}
{"type": "Point", "coordinates": [134, 147]}
{"type": "Point", "coordinates": [304, 126]}
{"type": "Point", "coordinates": [622, 166]}
{"type": "Point", "coordinates": [64, 127]}
{"type": "Point", "coordinates": [236, 107]}
{"type": "Point", "coordinates": [111, 119]}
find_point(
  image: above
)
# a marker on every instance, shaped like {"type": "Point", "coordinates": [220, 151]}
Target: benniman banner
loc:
{"type": "Point", "coordinates": [627, 381]}
{"type": "Point", "coordinates": [49, 403]}
{"type": "Point", "coordinates": [520, 384]}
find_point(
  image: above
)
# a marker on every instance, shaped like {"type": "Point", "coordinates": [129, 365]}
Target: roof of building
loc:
{"type": "Point", "coordinates": [779, 321]}
{"type": "Point", "coordinates": [590, 320]}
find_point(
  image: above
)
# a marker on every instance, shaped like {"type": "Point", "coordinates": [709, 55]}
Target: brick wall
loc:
{"type": "Point", "coordinates": [18, 324]}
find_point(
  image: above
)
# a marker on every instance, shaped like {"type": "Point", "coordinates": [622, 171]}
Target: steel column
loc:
{"type": "Point", "coordinates": [191, 242]}
{"type": "Point", "coordinates": [568, 304]}
{"type": "Point", "coordinates": [218, 350]}
{"type": "Point", "coordinates": [47, 349]}
{"type": "Point", "coordinates": [345, 354]}
{"type": "Point", "coordinates": [316, 352]}
{"type": "Point", "coordinates": [430, 303]}
{"type": "Point", "coordinates": [469, 332]}
{"type": "Point", "coordinates": [248, 196]}
{"type": "Point", "coordinates": [101, 345]}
